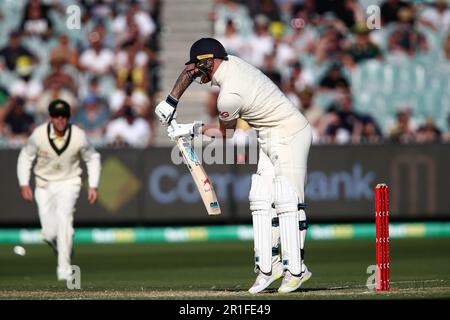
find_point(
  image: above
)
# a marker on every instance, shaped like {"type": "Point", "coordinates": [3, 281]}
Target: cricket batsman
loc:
{"type": "Point", "coordinates": [284, 135]}
{"type": "Point", "coordinates": [57, 147]}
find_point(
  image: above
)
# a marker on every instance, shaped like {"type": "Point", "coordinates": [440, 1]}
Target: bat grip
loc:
{"type": "Point", "coordinates": [173, 123]}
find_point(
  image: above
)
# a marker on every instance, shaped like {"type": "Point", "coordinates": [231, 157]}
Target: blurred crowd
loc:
{"type": "Point", "coordinates": [107, 69]}
{"type": "Point", "coordinates": [310, 49]}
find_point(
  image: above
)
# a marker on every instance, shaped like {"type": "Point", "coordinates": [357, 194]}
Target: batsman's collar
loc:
{"type": "Point", "coordinates": [220, 73]}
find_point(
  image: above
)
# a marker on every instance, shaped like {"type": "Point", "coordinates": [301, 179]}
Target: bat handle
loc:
{"type": "Point", "coordinates": [173, 123]}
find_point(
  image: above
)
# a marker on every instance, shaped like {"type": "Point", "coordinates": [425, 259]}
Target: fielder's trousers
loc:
{"type": "Point", "coordinates": [56, 205]}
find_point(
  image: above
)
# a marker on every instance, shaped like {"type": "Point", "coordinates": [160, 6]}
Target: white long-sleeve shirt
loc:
{"type": "Point", "coordinates": [247, 93]}
{"type": "Point", "coordinates": [58, 159]}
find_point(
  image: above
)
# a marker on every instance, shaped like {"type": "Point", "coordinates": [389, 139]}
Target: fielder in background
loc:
{"type": "Point", "coordinates": [284, 135]}
{"type": "Point", "coordinates": [57, 147]}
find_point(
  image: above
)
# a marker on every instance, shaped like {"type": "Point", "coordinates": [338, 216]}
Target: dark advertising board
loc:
{"type": "Point", "coordinates": [141, 187]}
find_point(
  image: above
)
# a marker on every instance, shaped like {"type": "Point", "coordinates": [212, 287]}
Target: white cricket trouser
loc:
{"type": "Point", "coordinates": [287, 157]}
{"type": "Point", "coordinates": [56, 205]}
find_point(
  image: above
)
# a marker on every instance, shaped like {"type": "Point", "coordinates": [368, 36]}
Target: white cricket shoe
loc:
{"type": "Point", "coordinates": [291, 283]}
{"type": "Point", "coordinates": [64, 275]}
{"type": "Point", "coordinates": [265, 280]}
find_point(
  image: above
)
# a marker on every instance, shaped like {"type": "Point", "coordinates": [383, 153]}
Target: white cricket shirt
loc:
{"type": "Point", "coordinates": [58, 159]}
{"type": "Point", "coordinates": [247, 93]}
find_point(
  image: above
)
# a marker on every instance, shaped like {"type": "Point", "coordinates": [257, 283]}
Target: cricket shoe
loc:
{"type": "Point", "coordinates": [291, 283]}
{"type": "Point", "coordinates": [264, 280]}
{"type": "Point", "coordinates": [64, 275]}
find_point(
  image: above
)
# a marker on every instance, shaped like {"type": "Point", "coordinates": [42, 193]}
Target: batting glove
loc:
{"type": "Point", "coordinates": [189, 130]}
{"type": "Point", "coordinates": [166, 110]}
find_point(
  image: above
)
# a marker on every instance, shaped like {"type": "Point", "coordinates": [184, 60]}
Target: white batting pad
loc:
{"type": "Point", "coordinates": [260, 204]}
{"type": "Point", "coordinates": [260, 195]}
{"type": "Point", "coordinates": [290, 242]}
{"type": "Point", "coordinates": [262, 227]}
{"type": "Point", "coordinates": [286, 206]}
{"type": "Point", "coordinates": [286, 199]}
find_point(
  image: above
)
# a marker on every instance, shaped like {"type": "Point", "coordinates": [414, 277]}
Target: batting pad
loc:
{"type": "Point", "coordinates": [286, 199]}
{"type": "Point", "coordinates": [260, 204]}
{"type": "Point", "coordinates": [290, 242]}
{"type": "Point", "coordinates": [286, 206]}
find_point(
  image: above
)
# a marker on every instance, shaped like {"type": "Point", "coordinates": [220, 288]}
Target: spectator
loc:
{"type": "Point", "coordinates": [302, 77]}
{"type": "Point", "coordinates": [97, 27]}
{"type": "Point", "coordinates": [21, 62]}
{"type": "Point", "coordinates": [117, 42]}
{"type": "Point", "coordinates": [18, 123]}
{"type": "Point", "coordinates": [64, 53]}
{"type": "Point", "coordinates": [225, 10]}
{"type": "Point", "coordinates": [348, 119]}
{"type": "Point", "coordinates": [311, 111]}
{"type": "Point", "coordinates": [93, 90]}
{"type": "Point", "coordinates": [403, 131]}
{"type": "Point", "coordinates": [133, 16]}
{"type": "Point", "coordinates": [390, 9]}
{"type": "Point", "coordinates": [93, 117]}
{"type": "Point", "coordinates": [406, 39]}
{"type": "Point", "coordinates": [330, 46]}
{"type": "Point", "coordinates": [97, 59]}
{"type": "Point", "coordinates": [284, 54]}
{"type": "Point", "coordinates": [126, 95]}
{"type": "Point", "coordinates": [331, 130]}
{"type": "Point", "coordinates": [428, 132]}
{"type": "Point", "coordinates": [261, 43]}
{"type": "Point", "coordinates": [131, 65]}
{"type": "Point", "coordinates": [270, 70]}
{"type": "Point", "coordinates": [57, 74]}
{"type": "Point", "coordinates": [290, 91]}
{"type": "Point", "coordinates": [334, 79]}
{"type": "Point", "coordinates": [370, 132]}
{"type": "Point", "coordinates": [129, 130]}
{"type": "Point", "coordinates": [153, 66]}
{"type": "Point", "coordinates": [347, 11]}
{"type": "Point", "coordinates": [55, 89]}
{"type": "Point", "coordinates": [233, 42]}
{"type": "Point", "coordinates": [362, 48]}
{"type": "Point", "coordinates": [36, 20]}
{"type": "Point", "coordinates": [304, 36]}
{"type": "Point", "coordinates": [269, 9]}
{"type": "Point", "coordinates": [436, 17]}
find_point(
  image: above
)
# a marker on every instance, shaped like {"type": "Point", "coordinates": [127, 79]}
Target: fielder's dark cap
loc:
{"type": "Point", "coordinates": [207, 48]}
{"type": "Point", "coordinates": [59, 108]}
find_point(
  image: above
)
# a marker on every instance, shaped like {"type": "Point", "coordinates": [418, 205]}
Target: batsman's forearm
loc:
{"type": "Point", "coordinates": [212, 131]}
{"type": "Point", "coordinates": [183, 82]}
{"type": "Point", "coordinates": [217, 131]}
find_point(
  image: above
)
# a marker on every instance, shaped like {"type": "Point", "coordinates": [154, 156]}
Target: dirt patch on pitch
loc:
{"type": "Point", "coordinates": [319, 293]}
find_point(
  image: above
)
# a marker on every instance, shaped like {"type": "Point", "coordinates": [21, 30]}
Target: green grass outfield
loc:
{"type": "Point", "coordinates": [223, 270]}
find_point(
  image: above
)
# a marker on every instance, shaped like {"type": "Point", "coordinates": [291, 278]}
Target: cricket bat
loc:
{"type": "Point", "coordinates": [204, 186]}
